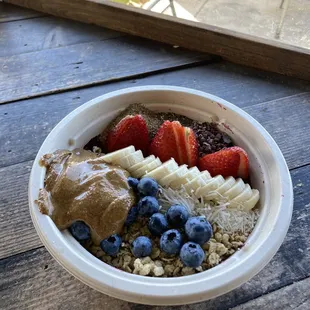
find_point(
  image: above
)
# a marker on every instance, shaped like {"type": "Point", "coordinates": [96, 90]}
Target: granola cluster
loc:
{"type": "Point", "coordinates": [220, 247]}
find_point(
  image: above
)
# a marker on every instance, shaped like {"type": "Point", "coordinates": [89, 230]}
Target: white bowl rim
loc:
{"type": "Point", "coordinates": [131, 287]}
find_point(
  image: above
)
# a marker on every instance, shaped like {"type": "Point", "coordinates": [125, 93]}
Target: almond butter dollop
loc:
{"type": "Point", "coordinates": [79, 185]}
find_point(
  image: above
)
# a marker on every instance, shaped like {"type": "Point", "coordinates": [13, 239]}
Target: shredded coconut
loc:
{"type": "Point", "coordinates": [230, 220]}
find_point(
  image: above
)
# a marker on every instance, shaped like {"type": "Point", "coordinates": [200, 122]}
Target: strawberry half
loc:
{"type": "Point", "coordinates": [172, 140]}
{"type": "Point", "coordinates": [232, 161]}
{"type": "Point", "coordinates": [131, 130]}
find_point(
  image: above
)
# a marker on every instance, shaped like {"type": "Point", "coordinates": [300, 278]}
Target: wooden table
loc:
{"type": "Point", "coordinates": [50, 66]}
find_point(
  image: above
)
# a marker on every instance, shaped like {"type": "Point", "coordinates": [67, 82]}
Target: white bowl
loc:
{"type": "Point", "coordinates": [269, 174]}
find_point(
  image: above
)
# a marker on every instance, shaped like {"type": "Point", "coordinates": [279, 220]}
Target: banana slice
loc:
{"type": "Point", "coordinates": [181, 171]}
{"type": "Point", "coordinates": [147, 168]}
{"type": "Point", "coordinates": [235, 190]}
{"type": "Point", "coordinates": [250, 204]}
{"type": "Point", "coordinates": [245, 195]}
{"type": "Point", "coordinates": [229, 182]}
{"type": "Point", "coordinates": [190, 175]}
{"type": "Point", "coordinates": [139, 165]}
{"type": "Point", "coordinates": [130, 160]}
{"type": "Point", "coordinates": [205, 175]}
{"type": "Point", "coordinates": [114, 156]}
{"type": "Point", "coordinates": [210, 185]}
{"type": "Point", "coordinates": [194, 184]}
{"type": "Point", "coordinates": [161, 171]}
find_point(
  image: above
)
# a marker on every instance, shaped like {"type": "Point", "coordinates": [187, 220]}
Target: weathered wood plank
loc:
{"type": "Point", "coordinates": [9, 12]}
{"type": "Point", "coordinates": [20, 236]}
{"type": "Point", "coordinates": [37, 34]}
{"type": "Point", "coordinates": [291, 135]}
{"type": "Point", "coordinates": [271, 55]}
{"type": "Point", "coordinates": [86, 64]}
{"type": "Point", "coordinates": [19, 144]}
{"type": "Point", "coordinates": [295, 296]}
{"type": "Point", "coordinates": [33, 279]}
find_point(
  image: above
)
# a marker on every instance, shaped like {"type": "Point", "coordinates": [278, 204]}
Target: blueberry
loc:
{"type": "Point", "coordinates": [132, 215]}
{"type": "Point", "coordinates": [198, 229]}
{"type": "Point", "coordinates": [111, 245]}
{"type": "Point", "coordinates": [192, 255]}
{"type": "Point", "coordinates": [148, 187]}
{"type": "Point", "coordinates": [80, 231]}
{"type": "Point", "coordinates": [157, 224]}
{"type": "Point", "coordinates": [177, 215]}
{"type": "Point", "coordinates": [148, 205]}
{"type": "Point", "coordinates": [142, 246]}
{"type": "Point", "coordinates": [133, 182]}
{"type": "Point", "coordinates": [171, 241]}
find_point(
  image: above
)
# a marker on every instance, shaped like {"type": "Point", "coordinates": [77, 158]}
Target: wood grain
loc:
{"type": "Point", "coordinates": [34, 280]}
{"type": "Point", "coordinates": [295, 296]}
{"type": "Point", "coordinates": [21, 143]}
{"type": "Point", "coordinates": [87, 64]}
{"type": "Point", "coordinates": [287, 128]}
{"type": "Point", "coordinates": [240, 48]}
{"type": "Point", "coordinates": [42, 33]}
{"type": "Point", "coordinates": [17, 232]}
{"type": "Point", "coordinates": [10, 12]}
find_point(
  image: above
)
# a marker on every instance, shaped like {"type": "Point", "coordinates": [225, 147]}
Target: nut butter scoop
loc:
{"type": "Point", "coordinates": [79, 185]}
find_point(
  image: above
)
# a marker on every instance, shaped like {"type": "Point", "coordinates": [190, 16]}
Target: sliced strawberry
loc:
{"type": "Point", "coordinates": [232, 161]}
{"type": "Point", "coordinates": [191, 146]}
{"type": "Point", "coordinates": [175, 141]}
{"type": "Point", "coordinates": [164, 144]}
{"type": "Point", "coordinates": [131, 130]}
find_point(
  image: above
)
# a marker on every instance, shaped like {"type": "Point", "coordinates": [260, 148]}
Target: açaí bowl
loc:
{"type": "Point", "coordinates": [269, 174]}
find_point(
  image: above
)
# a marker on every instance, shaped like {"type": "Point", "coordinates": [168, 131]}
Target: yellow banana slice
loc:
{"type": "Point", "coordinates": [235, 190]}
{"type": "Point", "coordinates": [145, 161]}
{"type": "Point", "coordinates": [211, 185]}
{"type": "Point", "coordinates": [130, 160]}
{"type": "Point", "coordinates": [250, 204]}
{"type": "Point", "coordinates": [146, 168]}
{"type": "Point", "coordinates": [175, 175]}
{"type": "Point", "coordinates": [114, 156]}
{"type": "Point", "coordinates": [163, 170]}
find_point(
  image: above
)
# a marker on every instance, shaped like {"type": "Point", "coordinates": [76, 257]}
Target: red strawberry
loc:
{"type": "Point", "coordinates": [172, 140]}
{"type": "Point", "coordinates": [131, 130]}
{"type": "Point", "coordinates": [232, 161]}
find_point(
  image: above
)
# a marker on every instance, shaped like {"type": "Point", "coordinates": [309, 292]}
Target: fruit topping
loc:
{"type": "Point", "coordinates": [232, 161]}
{"type": "Point", "coordinates": [192, 254]}
{"type": "Point", "coordinates": [177, 215]}
{"type": "Point", "coordinates": [198, 229]}
{"type": "Point", "coordinates": [133, 182]}
{"type": "Point", "coordinates": [148, 187]}
{"type": "Point", "coordinates": [111, 245]}
{"type": "Point", "coordinates": [142, 246]}
{"type": "Point", "coordinates": [172, 140]}
{"type": "Point", "coordinates": [131, 130]}
{"type": "Point", "coordinates": [80, 231]}
{"type": "Point", "coordinates": [148, 205]}
{"type": "Point", "coordinates": [171, 242]}
{"type": "Point", "coordinates": [132, 215]}
{"type": "Point", "coordinates": [157, 224]}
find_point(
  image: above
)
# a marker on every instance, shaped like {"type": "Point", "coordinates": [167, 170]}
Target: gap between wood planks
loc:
{"type": "Point", "coordinates": [291, 296]}
{"type": "Point", "coordinates": [194, 63]}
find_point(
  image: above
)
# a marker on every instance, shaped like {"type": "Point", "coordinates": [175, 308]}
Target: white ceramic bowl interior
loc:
{"type": "Point", "coordinates": [269, 174]}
